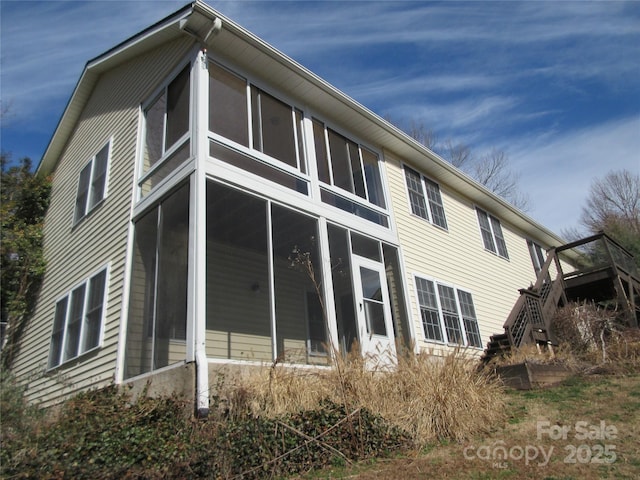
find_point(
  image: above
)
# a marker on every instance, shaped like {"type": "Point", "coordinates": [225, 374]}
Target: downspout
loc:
{"type": "Point", "coordinates": [201, 149]}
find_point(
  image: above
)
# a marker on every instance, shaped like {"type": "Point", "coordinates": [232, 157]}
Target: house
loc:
{"type": "Point", "coordinates": [216, 203]}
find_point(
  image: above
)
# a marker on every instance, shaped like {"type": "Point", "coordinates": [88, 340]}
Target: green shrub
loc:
{"type": "Point", "coordinates": [101, 434]}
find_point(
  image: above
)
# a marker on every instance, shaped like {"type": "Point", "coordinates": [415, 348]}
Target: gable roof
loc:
{"type": "Point", "coordinates": [228, 39]}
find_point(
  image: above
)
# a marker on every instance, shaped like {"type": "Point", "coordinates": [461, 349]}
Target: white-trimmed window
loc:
{"type": "Point", "coordinates": [423, 191]}
{"type": "Point", "coordinates": [166, 130]}
{"type": "Point", "coordinates": [448, 314]}
{"type": "Point", "coordinates": [78, 320]}
{"type": "Point", "coordinates": [92, 185]}
{"type": "Point", "coordinates": [349, 174]}
{"type": "Point", "coordinates": [255, 131]}
{"type": "Point", "coordinates": [538, 255]}
{"type": "Point", "coordinates": [491, 231]}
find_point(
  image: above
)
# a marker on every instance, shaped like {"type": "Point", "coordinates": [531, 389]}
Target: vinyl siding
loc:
{"type": "Point", "coordinates": [74, 252]}
{"type": "Point", "coordinates": [457, 256]}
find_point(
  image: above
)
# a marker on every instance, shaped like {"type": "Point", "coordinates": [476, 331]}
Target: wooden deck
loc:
{"type": "Point", "coordinates": [604, 272]}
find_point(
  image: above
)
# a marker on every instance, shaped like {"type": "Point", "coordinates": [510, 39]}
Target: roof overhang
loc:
{"type": "Point", "coordinates": [226, 38]}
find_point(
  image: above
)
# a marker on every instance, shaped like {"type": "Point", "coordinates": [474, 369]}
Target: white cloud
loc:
{"type": "Point", "coordinates": [557, 172]}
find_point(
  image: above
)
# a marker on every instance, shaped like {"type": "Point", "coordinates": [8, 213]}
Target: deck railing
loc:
{"type": "Point", "coordinates": [531, 317]}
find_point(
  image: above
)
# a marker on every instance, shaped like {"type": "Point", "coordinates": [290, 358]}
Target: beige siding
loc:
{"type": "Point", "coordinates": [457, 256]}
{"type": "Point", "coordinates": [74, 252]}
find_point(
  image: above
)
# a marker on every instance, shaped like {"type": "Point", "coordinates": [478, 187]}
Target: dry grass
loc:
{"type": "Point", "coordinates": [591, 338]}
{"type": "Point", "coordinates": [428, 397]}
{"type": "Point", "coordinates": [592, 399]}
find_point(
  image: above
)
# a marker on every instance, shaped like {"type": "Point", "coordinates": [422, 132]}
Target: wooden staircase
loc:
{"type": "Point", "coordinates": [605, 263]}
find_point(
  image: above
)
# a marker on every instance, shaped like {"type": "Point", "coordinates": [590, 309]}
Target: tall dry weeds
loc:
{"type": "Point", "coordinates": [428, 397]}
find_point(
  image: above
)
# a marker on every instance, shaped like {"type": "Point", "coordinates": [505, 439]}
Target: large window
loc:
{"type": "Point", "coordinates": [270, 130]}
{"type": "Point", "coordinates": [157, 322]}
{"type": "Point", "coordinates": [264, 281]}
{"type": "Point", "coordinates": [92, 185]}
{"type": "Point", "coordinates": [78, 318]}
{"type": "Point", "coordinates": [351, 174]}
{"type": "Point", "coordinates": [423, 191]}
{"type": "Point", "coordinates": [448, 314]}
{"type": "Point", "coordinates": [347, 165]}
{"type": "Point", "coordinates": [166, 131]}
{"type": "Point", "coordinates": [492, 236]}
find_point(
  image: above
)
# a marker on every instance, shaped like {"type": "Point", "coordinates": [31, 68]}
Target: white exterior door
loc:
{"type": "Point", "coordinates": [375, 327]}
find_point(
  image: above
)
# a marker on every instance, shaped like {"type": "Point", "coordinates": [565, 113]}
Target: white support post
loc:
{"type": "Point", "coordinates": [198, 247]}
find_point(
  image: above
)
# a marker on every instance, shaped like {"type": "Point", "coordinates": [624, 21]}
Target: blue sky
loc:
{"type": "Point", "coordinates": [556, 85]}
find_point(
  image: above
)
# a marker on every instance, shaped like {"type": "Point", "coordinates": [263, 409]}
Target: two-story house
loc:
{"type": "Point", "coordinates": [214, 202]}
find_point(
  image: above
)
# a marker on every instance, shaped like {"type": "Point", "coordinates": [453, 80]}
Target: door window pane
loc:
{"type": "Point", "coordinates": [373, 303]}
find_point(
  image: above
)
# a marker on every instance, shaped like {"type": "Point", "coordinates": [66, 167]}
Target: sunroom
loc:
{"type": "Point", "coordinates": [261, 231]}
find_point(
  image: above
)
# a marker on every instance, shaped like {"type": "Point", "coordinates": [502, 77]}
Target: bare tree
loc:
{"type": "Point", "coordinates": [457, 154]}
{"type": "Point", "coordinates": [613, 206]}
{"type": "Point", "coordinates": [613, 199]}
{"type": "Point", "coordinates": [425, 136]}
{"type": "Point", "coordinates": [492, 170]}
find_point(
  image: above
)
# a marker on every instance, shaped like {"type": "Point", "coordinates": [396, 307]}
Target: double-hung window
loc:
{"type": "Point", "coordinates": [92, 185]}
{"type": "Point", "coordinates": [166, 130]}
{"type": "Point", "coordinates": [78, 319]}
{"type": "Point", "coordinates": [448, 314]}
{"type": "Point", "coordinates": [423, 192]}
{"type": "Point", "coordinates": [492, 236]}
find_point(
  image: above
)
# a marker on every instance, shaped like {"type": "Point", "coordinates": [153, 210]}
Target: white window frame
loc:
{"type": "Point", "coordinates": [167, 151]}
{"type": "Point", "coordinates": [251, 151]}
{"type": "Point", "coordinates": [89, 206]}
{"type": "Point", "coordinates": [492, 230]}
{"type": "Point", "coordinates": [424, 194]}
{"type": "Point", "coordinates": [345, 193]}
{"type": "Point", "coordinates": [538, 255]}
{"type": "Point", "coordinates": [443, 330]}
{"type": "Point", "coordinates": [59, 359]}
